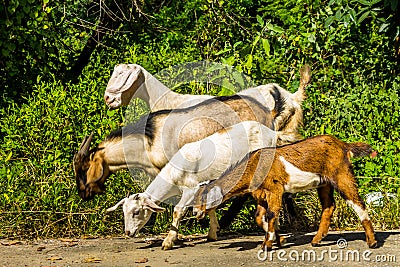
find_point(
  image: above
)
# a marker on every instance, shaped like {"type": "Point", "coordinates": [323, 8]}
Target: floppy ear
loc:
{"type": "Point", "coordinates": [150, 205]}
{"type": "Point", "coordinates": [95, 171]}
{"type": "Point", "coordinates": [116, 205]}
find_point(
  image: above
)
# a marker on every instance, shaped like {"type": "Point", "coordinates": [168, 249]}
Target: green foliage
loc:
{"type": "Point", "coordinates": [348, 12]}
{"type": "Point", "coordinates": [354, 95]}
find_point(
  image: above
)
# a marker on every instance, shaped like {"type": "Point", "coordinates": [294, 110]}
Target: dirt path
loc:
{"type": "Point", "coordinates": [195, 251]}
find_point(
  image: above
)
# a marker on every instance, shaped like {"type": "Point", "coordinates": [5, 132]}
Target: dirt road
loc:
{"type": "Point", "coordinates": [338, 249]}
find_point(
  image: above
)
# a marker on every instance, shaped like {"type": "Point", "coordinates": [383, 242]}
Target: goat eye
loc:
{"type": "Point", "coordinates": [136, 212]}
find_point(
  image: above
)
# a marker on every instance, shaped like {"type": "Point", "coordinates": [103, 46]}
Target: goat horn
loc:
{"type": "Point", "coordinates": [85, 146]}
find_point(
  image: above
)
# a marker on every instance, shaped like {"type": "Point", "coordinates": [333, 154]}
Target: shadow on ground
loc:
{"type": "Point", "coordinates": [292, 240]}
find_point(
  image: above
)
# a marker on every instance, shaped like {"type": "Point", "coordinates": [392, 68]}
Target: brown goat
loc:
{"type": "Point", "coordinates": [321, 162]}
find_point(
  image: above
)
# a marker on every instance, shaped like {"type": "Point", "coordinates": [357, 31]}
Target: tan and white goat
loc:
{"type": "Point", "coordinates": [130, 81]}
{"type": "Point", "coordinates": [151, 142]}
{"type": "Point", "coordinates": [321, 162]}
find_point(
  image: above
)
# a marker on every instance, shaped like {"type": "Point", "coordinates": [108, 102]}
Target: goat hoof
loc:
{"type": "Point", "coordinates": [282, 240]}
{"type": "Point", "coordinates": [315, 244]}
{"type": "Point", "coordinates": [211, 239]}
{"type": "Point", "coordinates": [167, 245]}
{"type": "Point", "coordinates": [373, 244]}
{"type": "Point", "coordinates": [266, 247]}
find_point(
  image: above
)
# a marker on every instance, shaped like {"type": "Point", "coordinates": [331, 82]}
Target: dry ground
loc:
{"type": "Point", "coordinates": [230, 250]}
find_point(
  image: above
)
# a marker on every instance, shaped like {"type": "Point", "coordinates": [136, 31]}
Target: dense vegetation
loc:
{"type": "Point", "coordinates": [53, 75]}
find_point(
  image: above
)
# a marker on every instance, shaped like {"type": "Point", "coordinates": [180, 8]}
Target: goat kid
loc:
{"type": "Point", "coordinates": [321, 162]}
{"type": "Point", "coordinates": [194, 163]}
{"type": "Point", "coordinates": [133, 81]}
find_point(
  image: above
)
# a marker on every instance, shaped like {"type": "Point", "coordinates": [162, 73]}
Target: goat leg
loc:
{"type": "Point", "coordinates": [270, 208]}
{"type": "Point", "coordinates": [325, 195]}
{"type": "Point", "coordinates": [233, 211]}
{"type": "Point", "coordinates": [289, 210]}
{"type": "Point", "coordinates": [172, 236]}
{"type": "Point", "coordinates": [347, 188]}
{"type": "Point", "coordinates": [214, 227]}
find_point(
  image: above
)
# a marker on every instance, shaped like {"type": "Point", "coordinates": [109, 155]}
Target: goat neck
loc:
{"type": "Point", "coordinates": [159, 97]}
{"type": "Point", "coordinates": [127, 152]}
{"type": "Point", "coordinates": [161, 189]}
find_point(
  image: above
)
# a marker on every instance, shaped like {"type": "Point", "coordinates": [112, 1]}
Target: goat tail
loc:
{"type": "Point", "coordinates": [360, 149]}
{"type": "Point", "coordinates": [305, 79]}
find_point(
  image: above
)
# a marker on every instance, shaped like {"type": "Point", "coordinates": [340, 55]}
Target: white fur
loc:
{"type": "Point", "coordinates": [265, 224]}
{"type": "Point", "coordinates": [271, 236]}
{"type": "Point", "coordinates": [299, 180]}
{"type": "Point", "coordinates": [208, 158]}
{"type": "Point", "coordinates": [134, 216]}
{"type": "Point", "coordinates": [361, 213]}
{"type": "Point", "coordinates": [201, 161]}
{"type": "Point", "coordinates": [158, 96]}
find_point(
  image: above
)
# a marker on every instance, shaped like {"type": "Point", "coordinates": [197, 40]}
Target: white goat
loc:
{"type": "Point", "coordinates": [133, 81]}
{"type": "Point", "coordinates": [195, 162]}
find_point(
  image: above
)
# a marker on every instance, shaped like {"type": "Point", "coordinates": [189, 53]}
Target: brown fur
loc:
{"type": "Point", "coordinates": [324, 155]}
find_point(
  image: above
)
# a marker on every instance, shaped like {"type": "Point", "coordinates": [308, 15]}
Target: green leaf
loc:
{"type": "Point", "coordinates": [225, 91]}
{"type": "Point", "coordinates": [27, 9]}
{"type": "Point", "coordinates": [237, 44]}
{"type": "Point", "coordinates": [237, 76]}
{"type": "Point", "coordinates": [384, 27]}
{"type": "Point", "coordinates": [9, 156]}
{"type": "Point", "coordinates": [110, 113]}
{"type": "Point", "coordinates": [353, 15]}
{"type": "Point", "coordinates": [363, 17]}
{"type": "Point", "coordinates": [260, 20]}
{"type": "Point", "coordinates": [338, 15]}
{"type": "Point", "coordinates": [256, 40]}
{"type": "Point", "coordinates": [228, 61]}
{"type": "Point", "coordinates": [249, 61]}
{"type": "Point", "coordinates": [222, 51]}
{"type": "Point", "coordinates": [266, 46]}
{"type": "Point", "coordinates": [5, 52]}
{"type": "Point", "coordinates": [311, 38]}
{"type": "Point", "coordinates": [275, 28]}
{"type": "Point", "coordinates": [364, 2]}
{"type": "Point", "coordinates": [228, 85]}
{"type": "Point", "coordinates": [329, 21]}
{"type": "Point", "coordinates": [331, 2]}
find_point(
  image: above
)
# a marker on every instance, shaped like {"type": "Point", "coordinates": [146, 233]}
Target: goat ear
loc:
{"type": "Point", "coordinates": [116, 205]}
{"type": "Point", "coordinates": [95, 171]}
{"type": "Point", "coordinates": [150, 205]}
